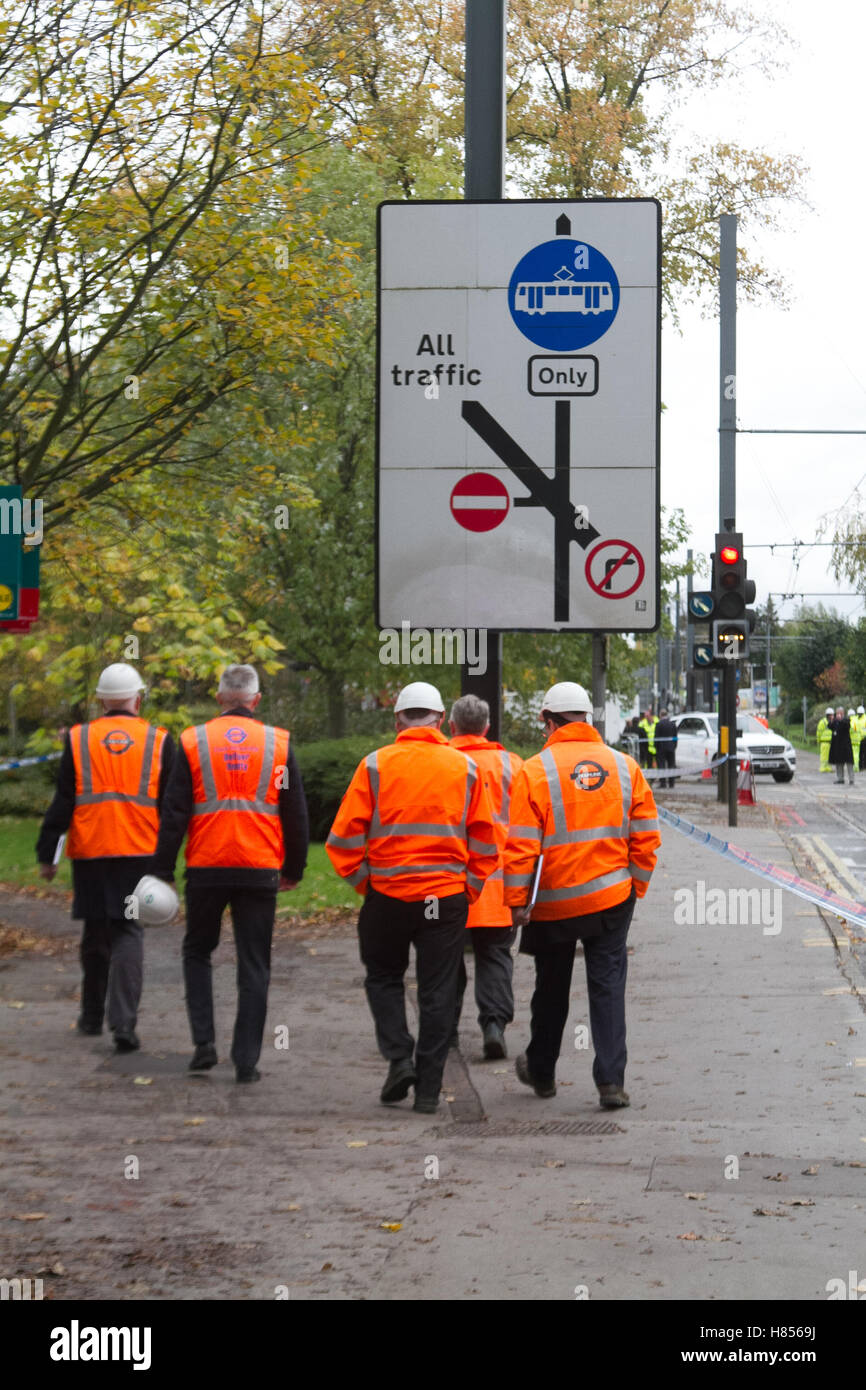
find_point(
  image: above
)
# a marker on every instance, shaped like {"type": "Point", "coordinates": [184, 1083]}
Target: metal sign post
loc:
{"type": "Point", "coordinates": [728, 486]}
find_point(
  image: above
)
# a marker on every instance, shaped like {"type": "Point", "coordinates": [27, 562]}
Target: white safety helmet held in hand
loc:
{"type": "Point", "coordinates": [119, 682]}
{"type": "Point", "coordinates": [419, 695]}
{"type": "Point", "coordinates": [567, 697]}
{"type": "Point", "coordinates": [156, 900]}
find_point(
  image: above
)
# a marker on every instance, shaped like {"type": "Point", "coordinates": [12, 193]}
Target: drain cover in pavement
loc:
{"type": "Point", "coordinates": [529, 1128]}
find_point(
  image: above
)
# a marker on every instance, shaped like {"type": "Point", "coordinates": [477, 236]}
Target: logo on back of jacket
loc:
{"type": "Point", "coordinates": [235, 758]}
{"type": "Point", "coordinates": [117, 741]}
{"type": "Point", "coordinates": [589, 775]}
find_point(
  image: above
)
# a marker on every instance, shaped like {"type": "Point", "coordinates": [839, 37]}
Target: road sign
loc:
{"type": "Point", "coordinates": [704, 654]}
{"type": "Point", "coordinates": [479, 502]}
{"type": "Point", "coordinates": [700, 605]}
{"type": "Point", "coordinates": [485, 314]}
{"type": "Point", "coordinates": [609, 567]}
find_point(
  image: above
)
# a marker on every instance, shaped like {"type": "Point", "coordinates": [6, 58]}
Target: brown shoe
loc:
{"type": "Point", "coordinates": [542, 1088]}
{"type": "Point", "coordinates": [612, 1098]}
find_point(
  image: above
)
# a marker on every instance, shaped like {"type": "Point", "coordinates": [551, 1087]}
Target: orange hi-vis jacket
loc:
{"type": "Point", "coordinates": [117, 765]}
{"type": "Point", "coordinates": [589, 810]}
{"type": "Point", "coordinates": [415, 822]}
{"type": "Point", "coordinates": [238, 766]}
{"type": "Point", "coordinates": [498, 767]}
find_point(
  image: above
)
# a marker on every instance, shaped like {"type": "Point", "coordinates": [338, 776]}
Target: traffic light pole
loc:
{"type": "Point", "coordinates": [484, 131]}
{"type": "Point", "coordinates": [728, 486]}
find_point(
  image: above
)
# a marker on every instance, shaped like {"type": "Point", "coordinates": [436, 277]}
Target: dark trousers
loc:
{"type": "Point", "coordinates": [666, 757]}
{"type": "Point", "coordinates": [862, 759]}
{"type": "Point", "coordinates": [386, 929]}
{"type": "Point", "coordinates": [494, 969]}
{"type": "Point", "coordinates": [647, 759]}
{"type": "Point", "coordinates": [606, 959]}
{"type": "Point", "coordinates": [253, 911]}
{"type": "Point", "coordinates": [112, 954]}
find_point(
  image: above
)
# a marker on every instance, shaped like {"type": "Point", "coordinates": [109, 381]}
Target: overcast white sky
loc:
{"type": "Point", "coordinates": [802, 368]}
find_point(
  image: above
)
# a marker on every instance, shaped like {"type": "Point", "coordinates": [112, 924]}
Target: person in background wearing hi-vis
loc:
{"type": "Point", "coordinates": [588, 811]}
{"type": "Point", "coordinates": [489, 922]}
{"type": "Point", "coordinates": [236, 792]}
{"type": "Point", "coordinates": [854, 726]}
{"type": "Point", "coordinates": [111, 785]}
{"type": "Point", "coordinates": [824, 734]}
{"type": "Point", "coordinates": [647, 726]}
{"type": "Point", "coordinates": [415, 835]}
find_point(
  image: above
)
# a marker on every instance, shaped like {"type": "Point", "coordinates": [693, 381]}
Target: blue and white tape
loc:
{"type": "Point", "coordinates": [29, 762]}
{"type": "Point", "coordinates": [658, 774]}
{"type": "Point", "coordinates": [819, 897]}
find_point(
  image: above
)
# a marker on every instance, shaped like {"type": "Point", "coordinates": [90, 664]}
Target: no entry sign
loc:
{"type": "Point", "coordinates": [480, 502]}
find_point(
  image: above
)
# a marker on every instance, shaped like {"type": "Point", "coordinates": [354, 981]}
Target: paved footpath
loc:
{"type": "Point", "coordinates": [739, 1171]}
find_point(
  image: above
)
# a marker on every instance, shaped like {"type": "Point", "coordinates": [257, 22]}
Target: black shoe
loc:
{"type": "Point", "coordinates": [401, 1075]}
{"type": "Point", "coordinates": [126, 1042]}
{"type": "Point", "coordinates": [494, 1042]}
{"type": "Point", "coordinates": [90, 1030]}
{"type": "Point", "coordinates": [545, 1089]}
{"type": "Point", "coordinates": [204, 1057]}
{"type": "Point", "coordinates": [245, 1076]}
{"type": "Point", "coordinates": [426, 1105]}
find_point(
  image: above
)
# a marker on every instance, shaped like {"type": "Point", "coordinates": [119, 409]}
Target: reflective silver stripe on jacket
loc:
{"type": "Point", "coordinates": [359, 875]}
{"type": "Point", "coordinates": [504, 812]}
{"type": "Point", "coordinates": [583, 890]}
{"type": "Point", "coordinates": [401, 827]}
{"type": "Point", "coordinates": [480, 846]}
{"type": "Point", "coordinates": [388, 872]}
{"type": "Point", "coordinates": [644, 875]}
{"type": "Point", "coordinates": [551, 772]}
{"type": "Point", "coordinates": [88, 797]}
{"type": "Point", "coordinates": [639, 827]}
{"type": "Point", "coordinates": [474, 882]}
{"type": "Point", "coordinates": [525, 832]}
{"type": "Point", "coordinates": [625, 787]}
{"type": "Point", "coordinates": [212, 803]}
{"type": "Point", "coordinates": [518, 880]}
{"type": "Point", "coordinates": [372, 764]}
{"type": "Point", "coordinates": [346, 841]}
{"type": "Point", "coordinates": [471, 777]}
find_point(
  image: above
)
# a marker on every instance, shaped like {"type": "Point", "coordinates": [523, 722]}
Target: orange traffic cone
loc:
{"type": "Point", "coordinates": [706, 775]}
{"type": "Point", "coordinates": [746, 784]}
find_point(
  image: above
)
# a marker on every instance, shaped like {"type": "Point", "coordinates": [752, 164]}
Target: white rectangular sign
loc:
{"type": "Point", "coordinates": [518, 409]}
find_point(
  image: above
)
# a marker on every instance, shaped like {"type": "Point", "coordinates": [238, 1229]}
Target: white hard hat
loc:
{"type": "Point", "coordinates": [119, 682]}
{"type": "Point", "coordinates": [419, 695]}
{"type": "Point", "coordinates": [567, 697]}
{"type": "Point", "coordinates": [156, 900]}
{"type": "Point", "coordinates": [829, 709]}
{"type": "Point", "coordinates": [861, 710]}
{"type": "Point", "coordinates": [850, 714]}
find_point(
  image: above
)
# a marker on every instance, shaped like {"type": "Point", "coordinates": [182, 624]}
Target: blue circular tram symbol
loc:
{"type": "Point", "coordinates": [563, 295]}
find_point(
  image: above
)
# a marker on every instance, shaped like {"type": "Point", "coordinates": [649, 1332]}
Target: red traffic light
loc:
{"type": "Point", "coordinates": [729, 555]}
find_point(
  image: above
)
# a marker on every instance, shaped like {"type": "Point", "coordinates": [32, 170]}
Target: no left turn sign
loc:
{"type": "Point", "coordinates": [614, 569]}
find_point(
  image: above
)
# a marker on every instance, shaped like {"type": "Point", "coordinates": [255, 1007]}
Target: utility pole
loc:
{"type": "Point", "coordinates": [484, 133]}
{"type": "Point", "coordinates": [728, 486]}
{"type": "Point", "coordinates": [599, 680]}
{"type": "Point", "coordinates": [691, 678]}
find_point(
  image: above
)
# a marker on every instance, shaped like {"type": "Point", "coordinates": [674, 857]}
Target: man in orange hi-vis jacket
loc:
{"type": "Point", "coordinates": [588, 810]}
{"type": "Point", "coordinates": [110, 788]}
{"type": "Point", "coordinates": [489, 922]}
{"type": "Point", "coordinates": [415, 834]}
{"type": "Point", "coordinates": [236, 792]}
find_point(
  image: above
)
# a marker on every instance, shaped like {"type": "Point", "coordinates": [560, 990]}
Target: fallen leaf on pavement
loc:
{"type": "Point", "coordinates": [695, 1196]}
{"type": "Point", "coordinates": [15, 1003]}
{"type": "Point", "coordinates": [810, 1171]}
{"type": "Point", "coordinates": [391, 1225]}
{"type": "Point", "coordinates": [143, 1081]}
{"type": "Point", "coordinates": [797, 1202]}
{"type": "Point", "coordinates": [356, 1144]}
{"type": "Point", "coordinates": [292, 1207]}
{"type": "Point", "coordinates": [690, 1235]}
{"type": "Point", "coordinates": [30, 1216]}
{"type": "Point", "coordinates": [775, 1177]}
{"type": "Point", "coordinates": [196, 1120]}
{"type": "Point", "coordinates": [768, 1211]}
{"type": "Point", "coordinates": [554, 1163]}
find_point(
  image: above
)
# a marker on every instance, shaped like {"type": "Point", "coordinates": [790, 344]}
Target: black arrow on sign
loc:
{"type": "Point", "coordinates": [550, 493]}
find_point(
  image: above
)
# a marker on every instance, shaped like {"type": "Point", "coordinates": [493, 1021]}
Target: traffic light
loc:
{"type": "Point", "coordinates": [732, 593]}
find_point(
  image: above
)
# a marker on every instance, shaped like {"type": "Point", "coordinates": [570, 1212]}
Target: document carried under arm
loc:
{"type": "Point", "coordinates": [536, 879]}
